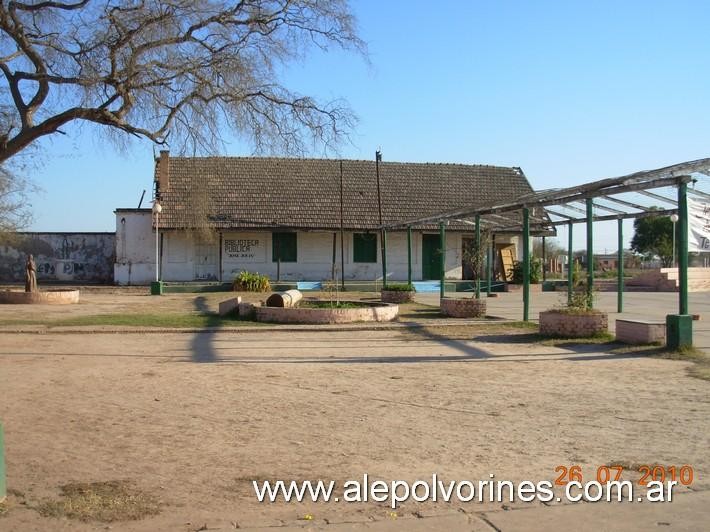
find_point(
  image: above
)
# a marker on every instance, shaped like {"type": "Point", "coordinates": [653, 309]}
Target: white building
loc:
{"type": "Point", "coordinates": [287, 218]}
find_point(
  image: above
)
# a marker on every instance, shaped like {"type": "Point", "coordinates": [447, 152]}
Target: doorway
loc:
{"type": "Point", "coordinates": [431, 257]}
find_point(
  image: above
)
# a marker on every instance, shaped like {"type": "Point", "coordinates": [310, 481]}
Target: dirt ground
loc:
{"type": "Point", "coordinates": [193, 418]}
{"type": "Point", "coordinates": [117, 300]}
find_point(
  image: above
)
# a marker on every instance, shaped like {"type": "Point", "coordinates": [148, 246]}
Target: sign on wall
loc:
{"type": "Point", "coordinates": [244, 248]}
{"type": "Point", "coordinates": [698, 225]}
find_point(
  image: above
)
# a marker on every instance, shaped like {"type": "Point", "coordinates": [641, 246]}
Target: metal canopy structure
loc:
{"type": "Point", "coordinates": [617, 198]}
{"type": "Point", "coordinates": [605, 189]}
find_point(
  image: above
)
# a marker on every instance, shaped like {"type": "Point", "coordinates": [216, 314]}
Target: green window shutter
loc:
{"type": "Point", "coordinates": [365, 247]}
{"type": "Point", "coordinates": [285, 246]}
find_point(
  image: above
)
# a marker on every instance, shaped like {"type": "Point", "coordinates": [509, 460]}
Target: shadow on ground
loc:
{"type": "Point", "coordinates": [202, 345]}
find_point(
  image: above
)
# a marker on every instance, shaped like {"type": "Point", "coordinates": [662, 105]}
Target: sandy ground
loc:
{"type": "Point", "coordinates": [193, 418]}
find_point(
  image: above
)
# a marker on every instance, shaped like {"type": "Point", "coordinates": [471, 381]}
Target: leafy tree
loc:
{"type": "Point", "coordinates": [653, 236]}
{"type": "Point", "coordinates": [178, 70]}
{"type": "Point", "coordinates": [552, 248]}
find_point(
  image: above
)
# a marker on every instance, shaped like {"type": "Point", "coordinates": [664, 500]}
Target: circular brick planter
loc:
{"type": "Point", "coordinates": [397, 296]}
{"type": "Point", "coordinates": [372, 312]}
{"type": "Point", "coordinates": [566, 325]}
{"type": "Point", "coordinates": [463, 307]}
{"type": "Point", "coordinates": [47, 297]}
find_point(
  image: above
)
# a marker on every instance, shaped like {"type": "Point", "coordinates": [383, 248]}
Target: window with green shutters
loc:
{"type": "Point", "coordinates": [365, 247]}
{"type": "Point", "coordinates": [284, 246]}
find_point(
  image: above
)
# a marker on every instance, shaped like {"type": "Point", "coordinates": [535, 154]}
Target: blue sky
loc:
{"type": "Point", "coordinates": [569, 91]}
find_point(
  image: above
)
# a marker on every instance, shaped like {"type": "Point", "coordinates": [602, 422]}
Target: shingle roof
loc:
{"type": "Point", "coordinates": [251, 192]}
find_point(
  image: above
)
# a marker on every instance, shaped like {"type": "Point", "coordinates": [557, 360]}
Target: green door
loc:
{"type": "Point", "coordinates": [431, 257]}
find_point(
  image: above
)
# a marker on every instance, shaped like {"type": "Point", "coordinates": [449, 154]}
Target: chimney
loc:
{"type": "Point", "coordinates": [162, 171]}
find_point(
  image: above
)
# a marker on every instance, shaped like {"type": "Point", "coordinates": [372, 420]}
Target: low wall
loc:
{"type": "Point", "coordinates": [463, 307]}
{"type": "Point", "coordinates": [553, 323]}
{"type": "Point", "coordinates": [377, 312]}
{"type": "Point", "coordinates": [50, 297]}
{"type": "Point", "coordinates": [64, 257]}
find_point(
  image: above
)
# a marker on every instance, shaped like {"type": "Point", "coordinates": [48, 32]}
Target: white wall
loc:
{"type": "Point", "coordinates": [315, 256]}
{"type": "Point", "coordinates": [184, 259]}
{"type": "Point", "coordinates": [135, 248]}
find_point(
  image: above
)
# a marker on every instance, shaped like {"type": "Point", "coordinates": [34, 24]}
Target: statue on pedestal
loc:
{"type": "Point", "coordinates": [30, 275]}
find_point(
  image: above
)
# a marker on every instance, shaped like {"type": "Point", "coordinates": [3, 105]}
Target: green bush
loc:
{"type": "Point", "coordinates": [535, 271]}
{"type": "Point", "coordinates": [251, 282]}
{"type": "Point", "coordinates": [399, 287]}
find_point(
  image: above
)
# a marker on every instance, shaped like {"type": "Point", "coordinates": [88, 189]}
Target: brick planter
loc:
{"type": "Point", "coordinates": [49, 297]}
{"type": "Point", "coordinates": [372, 312]}
{"type": "Point", "coordinates": [555, 323]}
{"type": "Point", "coordinates": [396, 296]}
{"type": "Point", "coordinates": [463, 307]}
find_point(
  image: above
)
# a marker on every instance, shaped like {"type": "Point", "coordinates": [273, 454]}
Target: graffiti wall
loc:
{"type": "Point", "coordinates": [70, 257]}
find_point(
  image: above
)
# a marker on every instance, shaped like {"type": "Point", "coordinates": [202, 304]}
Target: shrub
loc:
{"type": "Point", "coordinates": [251, 282]}
{"type": "Point", "coordinates": [535, 271]}
{"type": "Point", "coordinates": [399, 287]}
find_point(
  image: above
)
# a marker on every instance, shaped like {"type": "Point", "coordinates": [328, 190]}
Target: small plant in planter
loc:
{"type": "Point", "coordinates": [576, 319]}
{"type": "Point", "coordinates": [251, 282]}
{"type": "Point", "coordinates": [397, 293]}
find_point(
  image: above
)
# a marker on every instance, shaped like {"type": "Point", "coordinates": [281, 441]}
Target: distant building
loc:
{"type": "Point", "coordinates": [283, 217]}
{"type": "Point", "coordinates": [607, 261]}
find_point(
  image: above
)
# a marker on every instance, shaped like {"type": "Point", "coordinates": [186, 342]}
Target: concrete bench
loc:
{"type": "Point", "coordinates": [640, 331]}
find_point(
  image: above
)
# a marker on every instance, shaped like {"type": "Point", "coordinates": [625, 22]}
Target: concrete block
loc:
{"type": "Point", "coordinates": [640, 331]}
{"type": "Point", "coordinates": [229, 306]}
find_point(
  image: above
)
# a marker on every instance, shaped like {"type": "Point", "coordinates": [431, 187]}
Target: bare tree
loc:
{"type": "Point", "coordinates": [15, 208]}
{"type": "Point", "coordinates": [177, 70]}
{"type": "Point", "coordinates": [475, 259]}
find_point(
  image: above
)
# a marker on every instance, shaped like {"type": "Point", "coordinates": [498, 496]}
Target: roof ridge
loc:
{"type": "Point", "coordinates": [324, 159]}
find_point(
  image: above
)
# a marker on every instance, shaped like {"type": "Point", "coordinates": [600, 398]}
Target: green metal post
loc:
{"type": "Point", "coordinates": [409, 255]}
{"type": "Point", "coordinates": [570, 263]}
{"type": "Point", "coordinates": [544, 261]}
{"type": "Point", "coordinates": [620, 269]}
{"type": "Point", "coordinates": [679, 327]}
{"type": "Point", "coordinates": [683, 248]}
{"type": "Point", "coordinates": [590, 253]}
{"type": "Point", "coordinates": [442, 257]}
{"type": "Point", "coordinates": [384, 259]}
{"type": "Point", "coordinates": [526, 264]}
{"type": "Point", "coordinates": [489, 273]}
{"type": "Point", "coordinates": [478, 254]}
